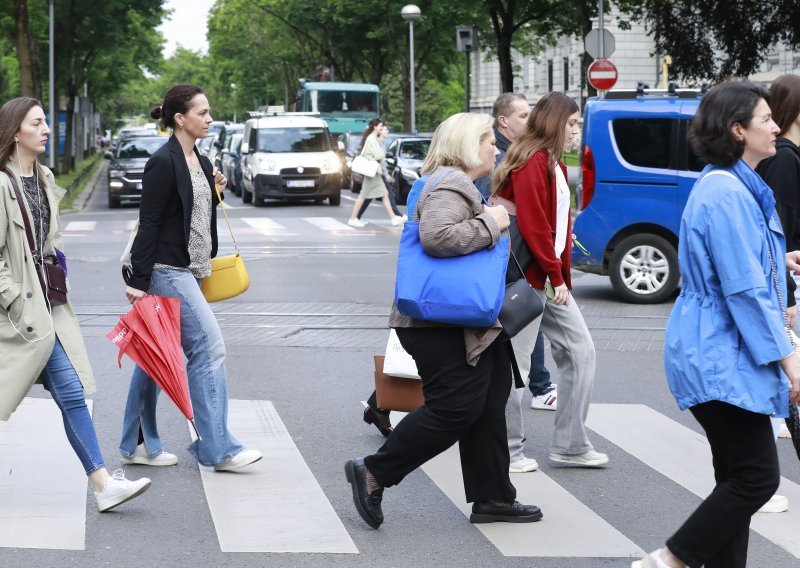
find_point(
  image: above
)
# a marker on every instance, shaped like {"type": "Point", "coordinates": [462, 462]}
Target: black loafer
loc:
{"type": "Point", "coordinates": [367, 504]}
{"type": "Point", "coordinates": [497, 511]}
{"type": "Point", "coordinates": [379, 419]}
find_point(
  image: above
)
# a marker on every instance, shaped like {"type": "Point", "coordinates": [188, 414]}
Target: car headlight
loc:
{"type": "Point", "coordinates": [116, 173]}
{"type": "Point", "coordinates": [265, 165]}
{"type": "Point", "coordinates": [116, 184]}
{"type": "Point", "coordinates": [409, 175]}
{"type": "Point", "coordinates": [331, 165]}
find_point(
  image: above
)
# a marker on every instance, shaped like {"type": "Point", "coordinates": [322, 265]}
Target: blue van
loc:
{"type": "Point", "coordinates": [637, 171]}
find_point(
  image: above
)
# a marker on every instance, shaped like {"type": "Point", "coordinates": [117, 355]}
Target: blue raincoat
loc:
{"type": "Point", "coordinates": [726, 331]}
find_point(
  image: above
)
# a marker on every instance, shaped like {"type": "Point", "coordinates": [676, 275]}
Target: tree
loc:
{"type": "Point", "coordinates": [717, 39]}
{"type": "Point", "coordinates": [30, 84]}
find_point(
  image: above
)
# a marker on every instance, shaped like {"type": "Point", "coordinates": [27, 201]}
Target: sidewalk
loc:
{"type": "Point", "coordinates": [88, 190]}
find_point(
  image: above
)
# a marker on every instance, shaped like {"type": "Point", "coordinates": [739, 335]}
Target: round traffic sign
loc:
{"type": "Point", "coordinates": [602, 74]}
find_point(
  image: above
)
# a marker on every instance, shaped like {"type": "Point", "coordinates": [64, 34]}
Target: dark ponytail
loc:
{"type": "Point", "coordinates": [177, 100]}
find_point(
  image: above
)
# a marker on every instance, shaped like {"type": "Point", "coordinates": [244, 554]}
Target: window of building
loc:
{"type": "Point", "coordinates": [566, 74]}
{"type": "Point", "coordinates": [549, 75]}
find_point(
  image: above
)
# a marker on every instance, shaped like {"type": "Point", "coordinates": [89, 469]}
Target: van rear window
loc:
{"type": "Point", "coordinates": [644, 142]}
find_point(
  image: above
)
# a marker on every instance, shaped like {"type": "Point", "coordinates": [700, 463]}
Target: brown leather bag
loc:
{"type": "Point", "coordinates": [396, 393]}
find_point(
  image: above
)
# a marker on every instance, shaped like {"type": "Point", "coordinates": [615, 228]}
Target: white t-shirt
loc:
{"type": "Point", "coordinates": [562, 211]}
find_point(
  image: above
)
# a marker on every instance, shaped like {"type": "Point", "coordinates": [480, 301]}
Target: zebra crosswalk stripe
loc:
{"type": "Point", "coordinates": [684, 456]}
{"type": "Point", "coordinates": [276, 504]}
{"type": "Point", "coordinates": [40, 509]}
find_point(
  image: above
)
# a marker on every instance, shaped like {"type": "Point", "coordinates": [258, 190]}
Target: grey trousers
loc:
{"type": "Point", "coordinates": [573, 351]}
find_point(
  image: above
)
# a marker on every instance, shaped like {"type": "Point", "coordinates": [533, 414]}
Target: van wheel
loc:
{"type": "Point", "coordinates": [247, 197]}
{"type": "Point", "coordinates": [644, 269]}
{"type": "Point", "coordinates": [335, 199]}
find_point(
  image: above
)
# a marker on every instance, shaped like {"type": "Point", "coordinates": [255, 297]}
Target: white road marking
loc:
{"type": "Point", "coordinates": [568, 529]}
{"type": "Point", "coordinates": [42, 503]}
{"type": "Point", "coordinates": [80, 226]}
{"type": "Point", "coordinates": [328, 224]}
{"type": "Point", "coordinates": [264, 225]}
{"type": "Point", "coordinates": [683, 455]}
{"type": "Point", "coordinates": [276, 504]}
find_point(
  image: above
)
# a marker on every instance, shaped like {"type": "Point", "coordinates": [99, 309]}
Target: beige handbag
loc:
{"type": "Point", "coordinates": [229, 276]}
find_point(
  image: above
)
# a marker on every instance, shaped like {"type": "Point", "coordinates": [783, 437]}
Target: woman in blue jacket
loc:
{"type": "Point", "coordinates": [727, 353]}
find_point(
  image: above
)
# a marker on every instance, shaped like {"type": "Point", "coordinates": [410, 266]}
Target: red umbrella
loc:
{"type": "Point", "coordinates": [150, 334]}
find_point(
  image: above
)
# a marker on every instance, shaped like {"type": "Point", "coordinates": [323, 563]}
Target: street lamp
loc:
{"type": "Point", "coordinates": [52, 90]}
{"type": "Point", "coordinates": [411, 13]}
{"type": "Point", "coordinates": [233, 88]}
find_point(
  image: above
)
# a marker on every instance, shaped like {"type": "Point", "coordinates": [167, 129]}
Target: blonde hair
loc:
{"type": "Point", "coordinates": [544, 131]}
{"type": "Point", "coordinates": [457, 141]}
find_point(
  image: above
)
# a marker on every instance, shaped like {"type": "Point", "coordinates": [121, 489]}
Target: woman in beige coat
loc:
{"type": "Point", "coordinates": [39, 340]}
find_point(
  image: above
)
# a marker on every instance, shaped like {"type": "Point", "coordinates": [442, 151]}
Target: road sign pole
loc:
{"type": "Point", "coordinates": [601, 26]}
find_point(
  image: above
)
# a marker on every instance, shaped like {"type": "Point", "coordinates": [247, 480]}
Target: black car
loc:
{"type": "Point", "coordinates": [404, 158]}
{"type": "Point", "coordinates": [352, 145]}
{"type": "Point", "coordinates": [127, 167]}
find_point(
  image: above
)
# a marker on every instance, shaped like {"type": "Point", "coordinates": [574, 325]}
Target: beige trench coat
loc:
{"type": "Point", "coordinates": [22, 304]}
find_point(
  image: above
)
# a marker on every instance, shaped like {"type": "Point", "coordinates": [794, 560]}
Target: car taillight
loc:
{"type": "Point", "coordinates": [587, 177]}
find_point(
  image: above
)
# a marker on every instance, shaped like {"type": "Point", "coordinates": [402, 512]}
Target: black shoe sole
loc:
{"type": "Point", "coordinates": [478, 518]}
{"type": "Point", "coordinates": [369, 418]}
{"type": "Point", "coordinates": [350, 474]}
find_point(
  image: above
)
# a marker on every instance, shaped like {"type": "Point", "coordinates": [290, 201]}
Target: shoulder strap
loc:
{"type": "Point", "coordinates": [222, 206]}
{"type": "Point", "coordinates": [23, 209]}
{"type": "Point", "coordinates": [429, 187]}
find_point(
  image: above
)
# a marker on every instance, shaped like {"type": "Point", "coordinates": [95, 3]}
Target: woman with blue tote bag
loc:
{"type": "Point", "coordinates": [465, 371]}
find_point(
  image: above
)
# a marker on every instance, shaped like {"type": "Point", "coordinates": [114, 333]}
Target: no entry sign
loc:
{"type": "Point", "coordinates": [602, 74]}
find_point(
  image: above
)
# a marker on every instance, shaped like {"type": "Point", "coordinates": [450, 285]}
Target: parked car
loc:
{"type": "Point", "coordinates": [230, 156]}
{"type": "Point", "coordinates": [127, 168]}
{"type": "Point", "coordinates": [289, 157]}
{"type": "Point", "coordinates": [637, 171]}
{"type": "Point", "coordinates": [223, 141]}
{"type": "Point", "coordinates": [404, 158]}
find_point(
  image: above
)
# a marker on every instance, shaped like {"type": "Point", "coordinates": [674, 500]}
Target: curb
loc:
{"type": "Point", "coordinates": [86, 193]}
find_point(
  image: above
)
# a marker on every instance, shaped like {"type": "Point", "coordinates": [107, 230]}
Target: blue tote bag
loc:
{"type": "Point", "coordinates": [464, 290]}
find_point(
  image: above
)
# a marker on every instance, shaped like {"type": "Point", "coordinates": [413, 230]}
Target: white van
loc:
{"type": "Point", "coordinates": [289, 157]}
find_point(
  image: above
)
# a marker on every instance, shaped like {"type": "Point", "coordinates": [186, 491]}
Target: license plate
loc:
{"type": "Point", "coordinates": [139, 186]}
{"type": "Point", "coordinates": [300, 183]}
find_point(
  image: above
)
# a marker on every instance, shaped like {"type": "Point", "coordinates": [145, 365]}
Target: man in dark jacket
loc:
{"type": "Point", "coordinates": [510, 112]}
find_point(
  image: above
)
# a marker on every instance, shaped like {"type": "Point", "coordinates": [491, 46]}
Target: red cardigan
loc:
{"type": "Point", "coordinates": [533, 189]}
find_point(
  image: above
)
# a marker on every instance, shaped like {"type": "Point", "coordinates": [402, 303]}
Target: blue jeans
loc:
{"type": "Point", "coordinates": [65, 386]}
{"type": "Point", "coordinates": [539, 376]}
{"type": "Point", "coordinates": [201, 339]}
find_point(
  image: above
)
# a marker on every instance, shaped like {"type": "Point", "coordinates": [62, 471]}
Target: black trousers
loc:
{"type": "Point", "coordinates": [747, 473]}
{"type": "Point", "coordinates": [463, 404]}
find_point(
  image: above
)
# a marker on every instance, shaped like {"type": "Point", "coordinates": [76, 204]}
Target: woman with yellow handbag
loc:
{"type": "Point", "coordinates": [170, 256]}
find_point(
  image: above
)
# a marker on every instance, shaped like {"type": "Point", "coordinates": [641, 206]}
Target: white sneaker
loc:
{"type": "Point", "coordinates": [404, 218]}
{"type": "Point", "coordinates": [396, 220]}
{"type": "Point", "coordinates": [356, 223]}
{"type": "Point", "coordinates": [776, 504]}
{"type": "Point", "coordinates": [586, 459]}
{"type": "Point", "coordinates": [523, 465]}
{"type": "Point", "coordinates": [548, 400]}
{"type": "Point", "coordinates": [783, 432]}
{"type": "Point", "coordinates": [652, 560]}
{"type": "Point", "coordinates": [242, 459]}
{"type": "Point", "coordinates": [140, 457]}
{"type": "Point", "coordinates": [118, 490]}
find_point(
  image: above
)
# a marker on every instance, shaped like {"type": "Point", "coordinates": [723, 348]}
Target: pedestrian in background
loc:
{"type": "Point", "coordinates": [510, 112]}
{"type": "Point", "coordinates": [40, 340]}
{"type": "Point", "coordinates": [171, 254]}
{"type": "Point", "coordinates": [374, 187]}
{"type": "Point", "coordinates": [726, 343]}
{"type": "Point", "coordinates": [534, 178]}
{"type": "Point", "coordinates": [391, 191]}
{"type": "Point", "coordinates": [782, 174]}
{"type": "Point", "coordinates": [465, 372]}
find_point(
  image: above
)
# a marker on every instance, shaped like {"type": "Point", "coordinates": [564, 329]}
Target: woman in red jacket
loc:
{"type": "Point", "coordinates": [534, 178]}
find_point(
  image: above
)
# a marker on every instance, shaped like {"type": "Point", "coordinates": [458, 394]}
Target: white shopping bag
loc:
{"type": "Point", "coordinates": [397, 362]}
{"type": "Point", "coordinates": [126, 255]}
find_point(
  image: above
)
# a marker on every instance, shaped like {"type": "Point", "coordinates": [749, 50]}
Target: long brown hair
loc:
{"type": "Point", "coordinates": [11, 116]}
{"type": "Point", "coordinates": [371, 126]}
{"type": "Point", "coordinates": [784, 101]}
{"type": "Point", "coordinates": [544, 131]}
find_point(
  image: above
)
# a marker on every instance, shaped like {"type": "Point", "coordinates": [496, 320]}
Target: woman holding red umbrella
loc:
{"type": "Point", "coordinates": [171, 254]}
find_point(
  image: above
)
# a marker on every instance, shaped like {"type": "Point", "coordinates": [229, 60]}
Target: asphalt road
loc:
{"type": "Point", "coordinates": [302, 338]}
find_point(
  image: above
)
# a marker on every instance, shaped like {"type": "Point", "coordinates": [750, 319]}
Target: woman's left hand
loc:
{"type": "Point", "coordinates": [791, 314]}
{"type": "Point", "coordinates": [791, 366]}
{"type": "Point", "coordinates": [219, 179]}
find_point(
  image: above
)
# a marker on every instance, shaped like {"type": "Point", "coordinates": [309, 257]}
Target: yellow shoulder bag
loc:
{"type": "Point", "coordinates": [229, 276]}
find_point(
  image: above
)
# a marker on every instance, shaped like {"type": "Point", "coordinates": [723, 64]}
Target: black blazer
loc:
{"type": "Point", "coordinates": [165, 214]}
